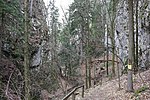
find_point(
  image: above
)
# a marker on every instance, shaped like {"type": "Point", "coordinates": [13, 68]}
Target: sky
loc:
{"type": "Point", "coordinates": [61, 3]}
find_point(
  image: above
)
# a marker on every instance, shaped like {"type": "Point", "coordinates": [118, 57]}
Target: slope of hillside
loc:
{"type": "Point", "coordinates": [109, 90]}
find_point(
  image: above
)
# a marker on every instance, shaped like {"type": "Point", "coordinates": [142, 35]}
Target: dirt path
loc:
{"type": "Point", "coordinates": [109, 90]}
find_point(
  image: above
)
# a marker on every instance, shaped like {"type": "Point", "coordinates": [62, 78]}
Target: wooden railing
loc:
{"type": "Point", "coordinates": [73, 94]}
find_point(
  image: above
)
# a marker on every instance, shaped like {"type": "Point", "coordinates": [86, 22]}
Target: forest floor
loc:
{"type": "Point", "coordinates": [109, 90]}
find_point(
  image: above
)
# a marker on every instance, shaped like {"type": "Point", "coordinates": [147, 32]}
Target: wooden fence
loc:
{"type": "Point", "coordinates": [73, 94]}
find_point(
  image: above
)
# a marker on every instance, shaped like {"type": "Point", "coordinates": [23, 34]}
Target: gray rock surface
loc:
{"type": "Point", "coordinates": [144, 33]}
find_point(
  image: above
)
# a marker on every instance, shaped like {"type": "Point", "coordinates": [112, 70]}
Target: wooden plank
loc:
{"type": "Point", "coordinates": [73, 92]}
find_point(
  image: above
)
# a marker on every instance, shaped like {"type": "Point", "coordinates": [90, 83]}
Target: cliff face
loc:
{"type": "Point", "coordinates": [143, 30]}
{"type": "Point", "coordinates": [11, 30]}
{"type": "Point", "coordinates": [38, 28]}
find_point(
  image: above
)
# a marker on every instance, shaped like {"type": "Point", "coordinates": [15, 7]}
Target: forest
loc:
{"type": "Point", "coordinates": [98, 50]}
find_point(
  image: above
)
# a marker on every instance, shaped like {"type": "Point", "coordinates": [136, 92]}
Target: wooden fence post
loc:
{"type": "Point", "coordinates": [83, 91]}
{"type": "Point", "coordinates": [73, 96]}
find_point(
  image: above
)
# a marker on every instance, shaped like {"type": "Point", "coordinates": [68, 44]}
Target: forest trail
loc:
{"type": "Point", "coordinates": [109, 90]}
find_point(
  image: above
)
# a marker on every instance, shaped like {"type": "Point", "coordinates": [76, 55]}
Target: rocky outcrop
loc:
{"type": "Point", "coordinates": [38, 29]}
{"type": "Point", "coordinates": [38, 14]}
{"type": "Point", "coordinates": [144, 32]}
{"type": "Point", "coordinates": [11, 63]}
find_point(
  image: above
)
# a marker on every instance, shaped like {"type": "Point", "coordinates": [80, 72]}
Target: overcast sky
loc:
{"type": "Point", "coordinates": [61, 3]}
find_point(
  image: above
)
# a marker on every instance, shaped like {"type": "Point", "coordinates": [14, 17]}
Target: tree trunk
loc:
{"type": "Point", "coordinates": [136, 56]}
{"type": "Point", "coordinates": [113, 37]}
{"type": "Point", "coordinates": [0, 44]}
{"type": "Point", "coordinates": [26, 53]}
{"type": "Point", "coordinates": [1, 31]}
{"type": "Point", "coordinates": [89, 66]}
{"type": "Point", "coordinates": [31, 7]}
{"type": "Point", "coordinates": [119, 84]}
{"type": "Point", "coordinates": [107, 54]}
{"type": "Point", "coordinates": [86, 74]}
{"type": "Point", "coordinates": [131, 48]}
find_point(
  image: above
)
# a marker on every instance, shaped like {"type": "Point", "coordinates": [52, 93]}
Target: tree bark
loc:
{"type": "Point", "coordinates": [89, 65]}
{"type": "Point", "coordinates": [136, 56]}
{"type": "Point", "coordinates": [86, 75]}
{"type": "Point", "coordinates": [1, 31]}
{"type": "Point", "coordinates": [107, 54]}
{"type": "Point", "coordinates": [119, 83]}
{"type": "Point", "coordinates": [26, 53]}
{"type": "Point", "coordinates": [113, 37]}
{"type": "Point", "coordinates": [31, 7]}
{"type": "Point", "coordinates": [131, 47]}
